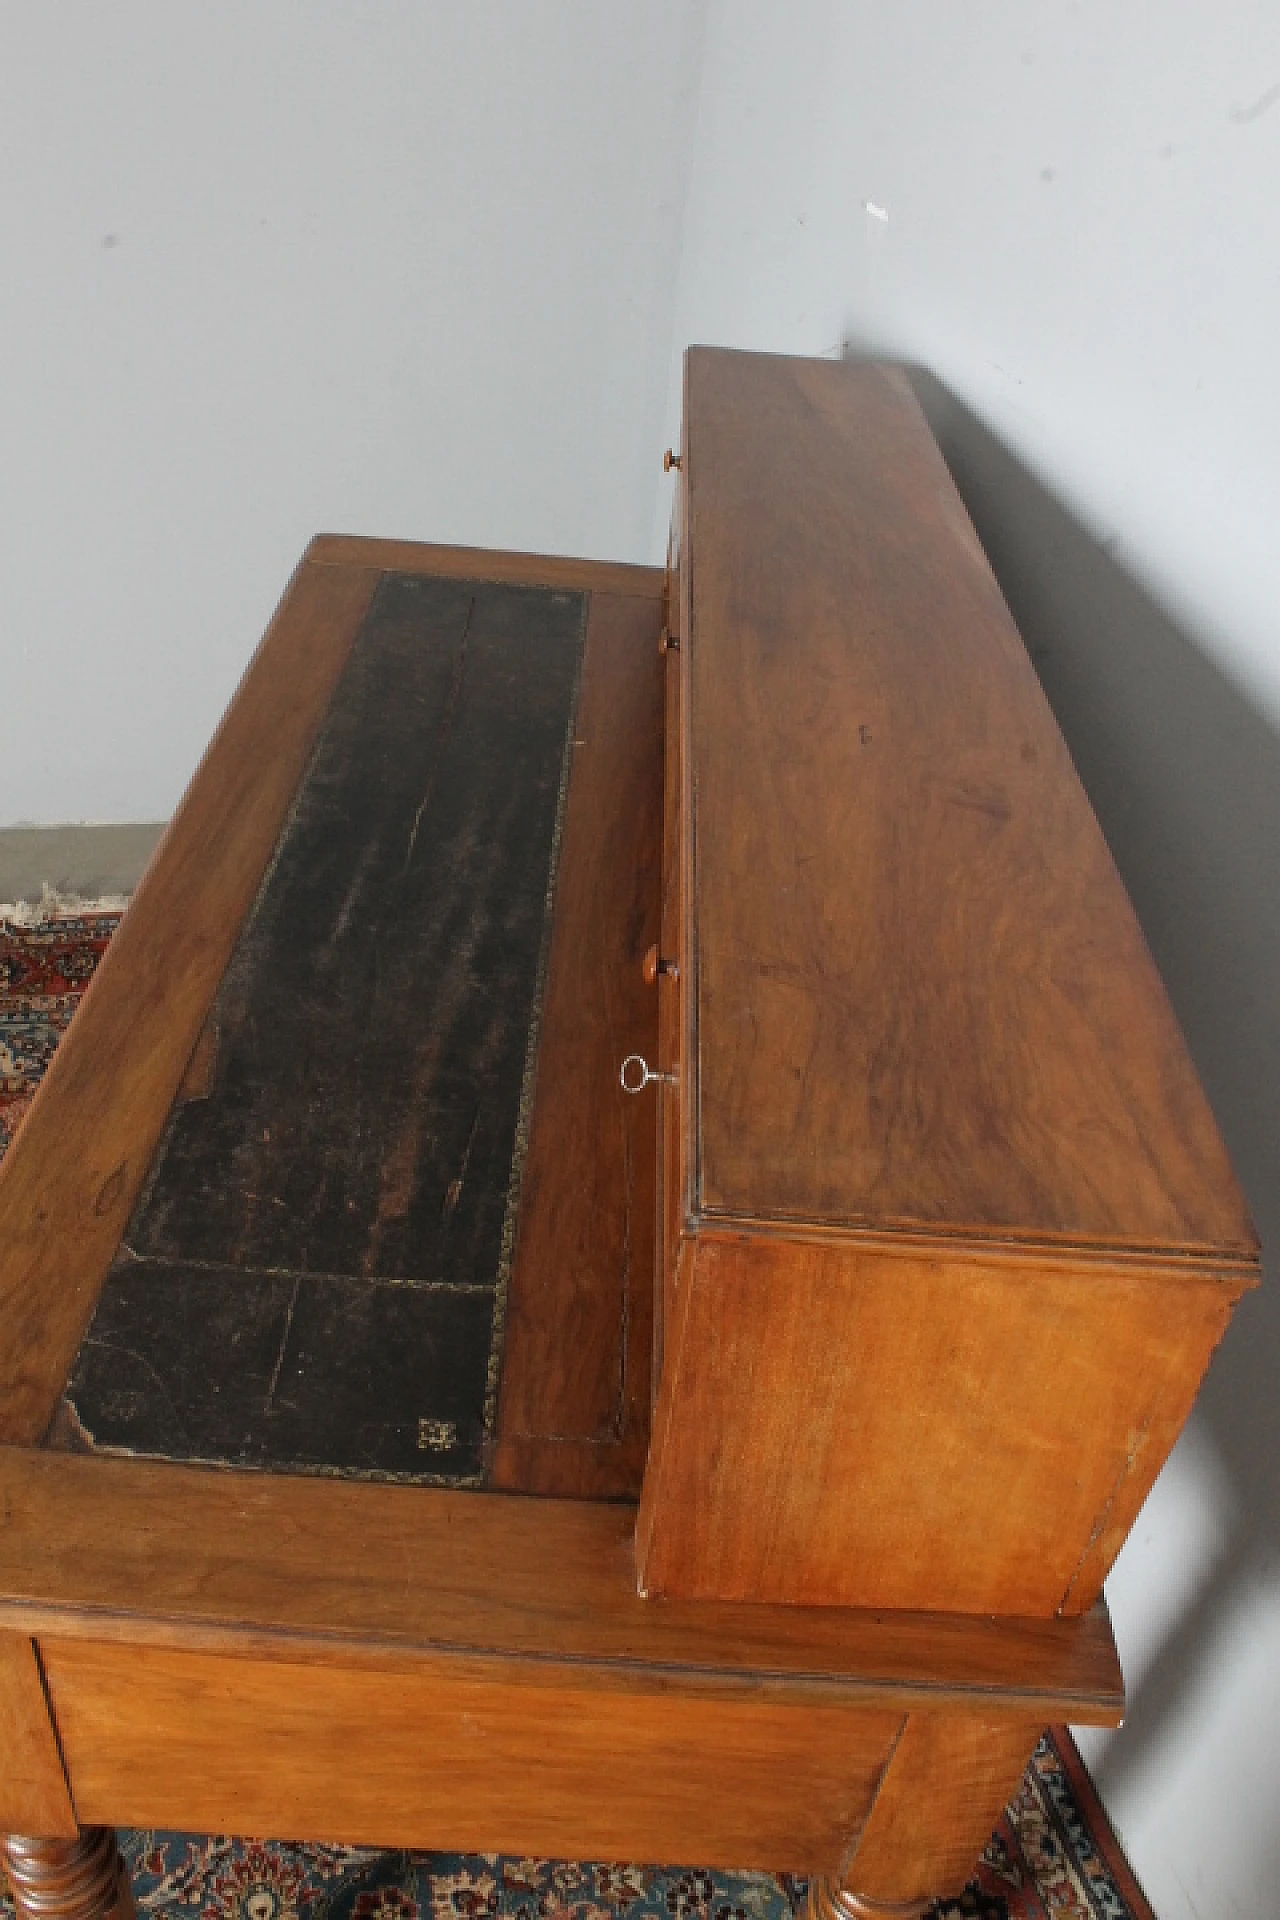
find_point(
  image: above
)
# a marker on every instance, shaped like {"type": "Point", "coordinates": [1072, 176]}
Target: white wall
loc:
{"type": "Point", "coordinates": [277, 266]}
{"type": "Point", "coordinates": [1082, 239]}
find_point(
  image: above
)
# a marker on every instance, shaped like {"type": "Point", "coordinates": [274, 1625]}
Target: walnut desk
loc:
{"type": "Point", "coordinates": [408, 1438]}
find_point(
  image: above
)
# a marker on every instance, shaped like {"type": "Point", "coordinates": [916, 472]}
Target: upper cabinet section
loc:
{"type": "Point", "coordinates": [918, 994]}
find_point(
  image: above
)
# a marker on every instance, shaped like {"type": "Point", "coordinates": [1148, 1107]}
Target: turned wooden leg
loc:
{"type": "Point", "coordinates": [80, 1879]}
{"type": "Point", "coordinates": [946, 1784]}
{"type": "Point", "coordinates": [828, 1900]}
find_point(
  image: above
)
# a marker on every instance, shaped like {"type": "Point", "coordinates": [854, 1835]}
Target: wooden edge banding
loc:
{"type": "Point", "coordinates": [517, 1672]}
{"type": "Point", "coordinates": [479, 563]}
{"type": "Point", "coordinates": [70, 1178]}
{"type": "Point", "coordinates": [1232, 1272]}
{"type": "Point", "coordinates": [712, 1666]}
{"type": "Point", "coordinates": [100, 1548]}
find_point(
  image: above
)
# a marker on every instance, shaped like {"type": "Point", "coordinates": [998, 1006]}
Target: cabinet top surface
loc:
{"type": "Point", "coordinates": [921, 997]}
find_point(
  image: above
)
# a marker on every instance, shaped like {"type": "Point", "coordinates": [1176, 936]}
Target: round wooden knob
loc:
{"type": "Point", "coordinates": [654, 964]}
{"type": "Point", "coordinates": [669, 460]}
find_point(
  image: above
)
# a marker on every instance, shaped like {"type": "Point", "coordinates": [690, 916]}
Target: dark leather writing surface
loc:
{"type": "Point", "coordinates": [314, 1276]}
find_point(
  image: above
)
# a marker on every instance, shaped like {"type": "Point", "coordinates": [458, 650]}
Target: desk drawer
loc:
{"type": "Point", "coordinates": [161, 1736]}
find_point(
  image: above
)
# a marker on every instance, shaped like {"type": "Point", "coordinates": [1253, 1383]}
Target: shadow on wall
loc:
{"type": "Point", "coordinates": [1185, 779]}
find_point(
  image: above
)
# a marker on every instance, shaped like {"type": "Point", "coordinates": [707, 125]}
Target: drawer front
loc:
{"type": "Point", "coordinates": [158, 1736]}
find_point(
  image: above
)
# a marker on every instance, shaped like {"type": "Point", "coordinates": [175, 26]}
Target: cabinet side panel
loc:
{"type": "Point", "coordinates": [1147, 1453]}
{"type": "Point", "coordinates": [878, 1429]}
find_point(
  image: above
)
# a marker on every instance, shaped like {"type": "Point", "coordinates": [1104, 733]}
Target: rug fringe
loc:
{"type": "Point", "coordinates": [55, 905]}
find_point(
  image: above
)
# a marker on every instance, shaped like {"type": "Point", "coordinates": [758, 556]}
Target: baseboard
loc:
{"type": "Point", "coordinates": [91, 863]}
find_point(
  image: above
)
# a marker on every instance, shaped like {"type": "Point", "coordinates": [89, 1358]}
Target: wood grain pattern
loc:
{"type": "Point", "coordinates": [844, 1425]}
{"type": "Point", "coordinates": [143, 1552]}
{"type": "Point", "coordinates": [33, 1786]}
{"type": "Point", "coordinates": [954, 1229]}
{"type": "Point", "coordinates": [574, 1410]}
{"type": "Point", "coordinates": [70, 1178]}
{"type": "Point", "coordinates": [295, 1655]}
{"type": "Point", "coordinates": [922, 996]}
{"type": "Point", "coordinates": [484, 563]}
{"type": "Point", "coordinates": [1150, 1443]}
{"type": "Point", "coordinates": [437, 1759]}
{"type": "Point", "coordinates": [945, 1787]}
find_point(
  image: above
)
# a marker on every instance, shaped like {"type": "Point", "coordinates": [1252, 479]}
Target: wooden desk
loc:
{"type": "Point", "coordinates": [327, 1293]}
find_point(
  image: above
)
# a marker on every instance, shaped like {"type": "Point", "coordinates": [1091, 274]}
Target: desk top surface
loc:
{"type": "Point", "coordinates": [336, 1139]}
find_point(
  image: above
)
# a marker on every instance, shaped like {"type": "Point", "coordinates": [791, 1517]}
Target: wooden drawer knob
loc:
{"type": "Point", "coordinates": [654, 964]}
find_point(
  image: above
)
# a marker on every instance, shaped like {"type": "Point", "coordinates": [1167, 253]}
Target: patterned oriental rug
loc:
{"type": "Point", "coordinates": [44, 969]}
{"type": "Point", "coordinates": [1053, 1856]}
